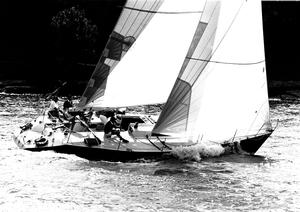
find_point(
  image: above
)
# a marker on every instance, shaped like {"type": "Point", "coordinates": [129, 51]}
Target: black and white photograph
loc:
{"type": "Point", "coordinates": [149, 105]}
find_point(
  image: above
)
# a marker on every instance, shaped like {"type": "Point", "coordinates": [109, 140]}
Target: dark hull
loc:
{"type": "Point", "coordinates": [99, 152]}
{"type": "Point", "coordinates": [248, 145]}
{"type": "Point", "coordinates": [251, 145]}
{"type": "Point", "coordinates": [95, 153]}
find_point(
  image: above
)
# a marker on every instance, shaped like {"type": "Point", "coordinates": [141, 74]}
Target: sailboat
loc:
{"type": "Point", "coordinates": [203, 60]}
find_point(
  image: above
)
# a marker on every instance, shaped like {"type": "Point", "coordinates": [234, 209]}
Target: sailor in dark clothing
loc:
{"type": "Point", "coordinates": [67, 104]}
{"type": "Point", "coordinates": [112, 128]}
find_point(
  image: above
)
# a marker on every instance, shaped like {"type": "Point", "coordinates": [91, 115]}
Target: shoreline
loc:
{"type": "Point", "coordinates": [276, 88]}
{"type": "Point", "coordinates": [74, 87]}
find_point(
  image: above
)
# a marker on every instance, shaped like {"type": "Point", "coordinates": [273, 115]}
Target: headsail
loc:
{"type": "Point", "coordinates": [135, 15]}
{"type": "Point", "coordinates": [174, 117]}
{"type": "Point", "coordinates": [221, 90]}
{"type": "Point", "coordinates": [148, 71]}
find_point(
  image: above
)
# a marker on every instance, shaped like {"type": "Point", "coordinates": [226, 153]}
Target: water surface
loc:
{"type": "Point", "coordinates": [48, 181]}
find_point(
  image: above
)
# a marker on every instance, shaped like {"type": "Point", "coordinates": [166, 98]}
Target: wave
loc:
{"type": "Point", "coordinates": [4, 113]}
{"type": "Point", "coordinates": [198, 152]}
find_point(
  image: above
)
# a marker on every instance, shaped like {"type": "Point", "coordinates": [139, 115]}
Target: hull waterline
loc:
{"type": "Point", "coordinates": [248, 145]}
{"type": "Point", "coordinates": [98, 153]}
{"type": "Point", "coordinates": [127, 153]}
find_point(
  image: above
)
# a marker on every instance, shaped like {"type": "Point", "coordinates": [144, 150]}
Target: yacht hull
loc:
{"type": "Point", "coordinates": [99, 153]}
{"type": "Point", "coordinates": [248, 145]}
{"type": "Point", "coordinates": [128, 146]}
{"type": "Point", "coordinates": [115, 150]}
{"type": "Point", "coordinates": [251, 145]}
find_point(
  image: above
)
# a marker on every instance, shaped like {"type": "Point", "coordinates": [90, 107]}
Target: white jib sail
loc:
{"type": "Point", "coordinates": [148, 71]}
{"type": "Point", "coordinates": [227, 86]}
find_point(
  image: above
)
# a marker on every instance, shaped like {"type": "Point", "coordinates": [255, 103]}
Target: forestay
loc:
{"type": "Point", "coordinates": [221, 91]}
{"type": "Point", "coordinates": [135, 15]}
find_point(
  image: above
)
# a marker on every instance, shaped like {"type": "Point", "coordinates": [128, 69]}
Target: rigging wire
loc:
{"type": "Point", "coordinates": [178, 91]}
{"type": "Point", "coordinates": [206, 45]}
{"type": "Point", "coordinates": [196, 73]}
{"type": "Point", "coordinates": [233, 20]}
{"type": "Point", "coordinates": [208, 41]}
{"type": "Point", "coordinates": [153, 143]}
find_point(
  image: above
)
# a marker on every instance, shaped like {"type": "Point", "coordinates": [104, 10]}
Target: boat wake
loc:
{"type": "Point", "coordinates": [198, 152]}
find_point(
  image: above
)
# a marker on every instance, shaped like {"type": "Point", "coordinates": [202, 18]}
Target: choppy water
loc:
{"type": "Point", "coordinates": [48, 181]}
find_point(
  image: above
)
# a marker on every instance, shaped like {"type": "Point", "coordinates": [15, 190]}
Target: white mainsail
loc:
{"type": "Point", "coordinates": [221, 91]}
{"type": "Point", "coordinates": [148, 71]}
{"type": "Point", "coordinates": [134, 17]}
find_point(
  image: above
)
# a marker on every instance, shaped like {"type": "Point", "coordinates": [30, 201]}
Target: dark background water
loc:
{"type": "Point", "coordinates": [33, 51]}
{"type": "Point", "coordinates": [48, 181]}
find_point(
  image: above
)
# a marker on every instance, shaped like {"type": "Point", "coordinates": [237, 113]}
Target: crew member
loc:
{"type": "Point", "coordinates": [112, 128]}
{"type": "Point", "coordinates": [54, 108]}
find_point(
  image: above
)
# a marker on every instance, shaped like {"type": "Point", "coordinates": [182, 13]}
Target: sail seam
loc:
{"type": "Point", "coordinates": [227, 63]}
{"type": "Point", "coordinates": [136, 18]}
{"type": "Point", "coordinates": [203, 51]}
{"type": "Point", "coordinates": [162, 12]}
{"type": "Point", "coordinates": [212, 53]}
{"type": "Point", "coordinates": [122, 31]}
{"type": "Point", "coordinates": [228, 29]}
{"type": "Point", "coordinates": [127, 18]}
{"type": "Point", "coordinates": [147, 18]}
{"type": "Point", "coordinates": [182, 94]}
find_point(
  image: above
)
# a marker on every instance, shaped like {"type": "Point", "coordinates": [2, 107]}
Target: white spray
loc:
{"type": "Point", "coordinates": [198, 151]}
